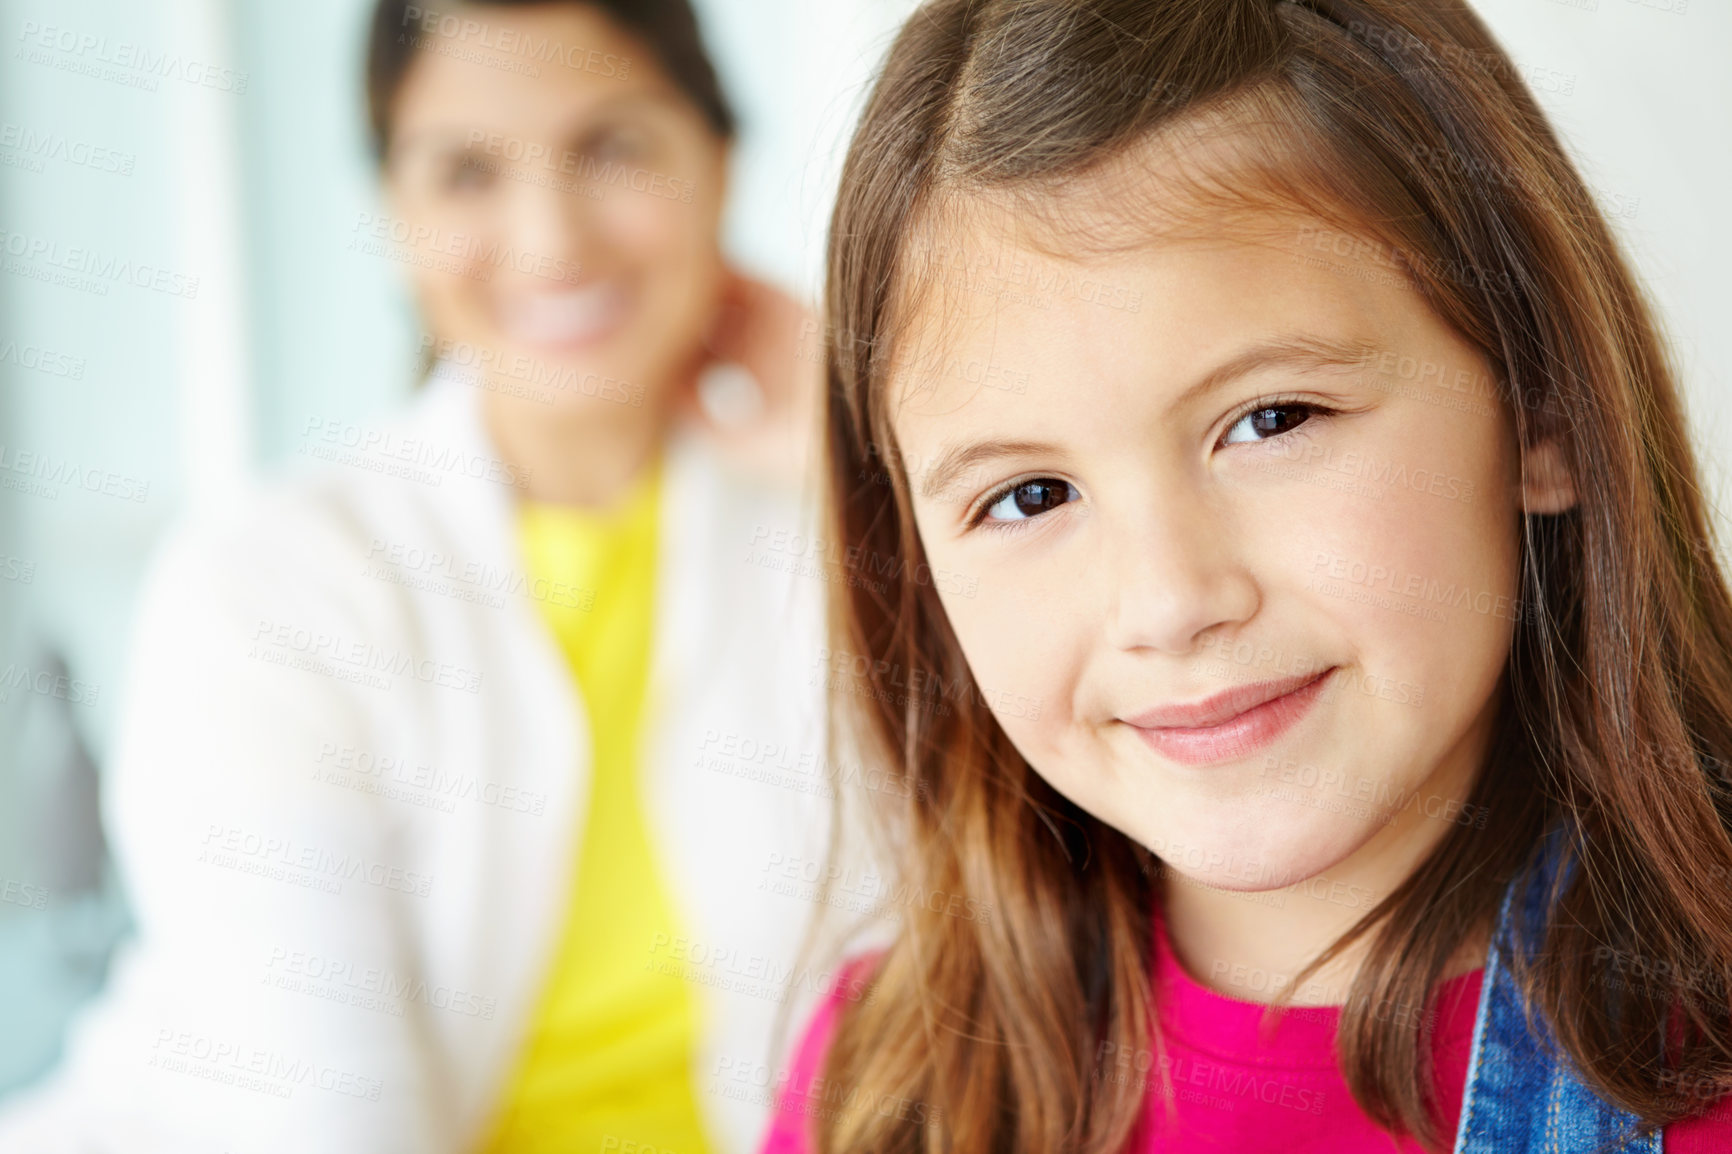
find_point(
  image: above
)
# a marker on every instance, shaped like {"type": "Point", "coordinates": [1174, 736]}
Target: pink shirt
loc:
{"type": "Point", "coordinates": [1233, 1090]}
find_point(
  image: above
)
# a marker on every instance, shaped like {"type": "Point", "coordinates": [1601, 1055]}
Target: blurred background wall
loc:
{"type": "Point", "coordinates": [180, 181]}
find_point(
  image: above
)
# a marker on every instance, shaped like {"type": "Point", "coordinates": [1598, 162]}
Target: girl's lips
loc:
{"type": "Point", "coordinates": [1239, 735]}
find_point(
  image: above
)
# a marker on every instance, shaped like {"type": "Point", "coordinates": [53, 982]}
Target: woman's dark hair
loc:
{"type": "Point", "coordinates": [669, 27]}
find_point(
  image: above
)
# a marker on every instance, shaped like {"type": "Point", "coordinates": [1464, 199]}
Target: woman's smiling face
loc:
{"type": "Point", "coordinates": [1188, 467]}
{"type": "Point", "coordinates": [566, 212]}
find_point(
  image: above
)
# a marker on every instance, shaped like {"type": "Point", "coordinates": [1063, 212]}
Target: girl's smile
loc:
{"type": "Point", "coordinates": [1233, 723]}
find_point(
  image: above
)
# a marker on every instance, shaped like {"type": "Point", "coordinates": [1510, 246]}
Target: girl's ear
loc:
{"type": "Point", "coordinates": [1546, 483]}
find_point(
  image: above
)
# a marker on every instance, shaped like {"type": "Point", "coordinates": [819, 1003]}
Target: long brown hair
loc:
{"type": "Point", "coordinates": [1404, 120]}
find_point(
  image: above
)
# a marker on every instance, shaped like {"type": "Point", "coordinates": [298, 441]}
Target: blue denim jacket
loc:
{"type": "Point", "coordinates": [1521, 1097]}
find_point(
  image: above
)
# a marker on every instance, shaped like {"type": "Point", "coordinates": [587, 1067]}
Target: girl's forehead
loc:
{"type": "Point", "coordinates": [1229, 165]}
{"type": "Point", "coordinates": [1211, 179]}
{"type": "Point", "coordinates": [991, 268]}
{"type": "Point", "coordinates": [1017, 338]}
{"type": "Point", "coordinates": [1201, 218]}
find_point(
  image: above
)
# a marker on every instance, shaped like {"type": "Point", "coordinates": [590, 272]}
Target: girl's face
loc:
{"type": "Point", "coordinates": [562, 200]}
{"type": "Point", "coordinates": [1234, 469]}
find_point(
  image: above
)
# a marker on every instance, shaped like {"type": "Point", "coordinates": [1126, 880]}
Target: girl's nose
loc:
{"type": "Point", "coordinates": [1175, 576]}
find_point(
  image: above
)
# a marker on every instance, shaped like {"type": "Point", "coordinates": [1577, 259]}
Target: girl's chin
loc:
{"type": "Point", "coordinates": [1255, 863]}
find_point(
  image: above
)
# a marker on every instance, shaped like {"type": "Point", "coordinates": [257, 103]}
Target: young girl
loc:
{"type": "Point", "coordinates": [1304, 647]}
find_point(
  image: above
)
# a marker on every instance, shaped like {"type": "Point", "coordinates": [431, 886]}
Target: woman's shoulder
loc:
{"type": "Point", "coordinates": [352, 496]}
{"type": "Point", "coordinates": [284, 540]}
{"type": "Point", "coordinates": [279, 513]}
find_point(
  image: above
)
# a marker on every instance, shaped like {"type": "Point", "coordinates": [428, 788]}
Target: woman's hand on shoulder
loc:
{"type": "Point", "coordinates": [756, 394]}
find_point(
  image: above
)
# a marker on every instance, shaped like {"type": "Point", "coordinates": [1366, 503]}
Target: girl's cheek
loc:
{"type": "Point", "coordinates": [1423, 582]}
{"type": "Point", "coordinates": [1022, 650]}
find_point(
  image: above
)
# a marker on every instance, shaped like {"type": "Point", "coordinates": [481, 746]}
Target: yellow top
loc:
{"type": "Point", "coordinates": [609, 1050]}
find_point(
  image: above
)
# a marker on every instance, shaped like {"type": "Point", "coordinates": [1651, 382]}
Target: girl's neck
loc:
{"type": "Point", "coordinates": [1252, 946]}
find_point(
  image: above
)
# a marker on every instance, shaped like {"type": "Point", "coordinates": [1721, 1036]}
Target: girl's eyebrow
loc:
{"type": "Point", "coordinates": [957, 459]}
{"type": "Point", "coordinates": [1291, 350]}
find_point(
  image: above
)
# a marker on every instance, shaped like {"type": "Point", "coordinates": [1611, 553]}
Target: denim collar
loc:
{"type": "Point", "coordinates": [1522, 1095]}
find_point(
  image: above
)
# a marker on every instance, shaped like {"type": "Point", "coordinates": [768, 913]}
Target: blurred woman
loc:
{"type": "Point", "coordinates": [453, 771]}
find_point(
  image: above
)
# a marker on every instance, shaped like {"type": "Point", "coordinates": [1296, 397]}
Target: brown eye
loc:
{"type": "Point", "coordinates": [1028, 499]}
{"type": "Point", "coordinates": [1270, 421]}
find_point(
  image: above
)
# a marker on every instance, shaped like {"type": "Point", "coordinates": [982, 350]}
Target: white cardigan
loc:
{"type": "Point", "coordinates": [348, 784]}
